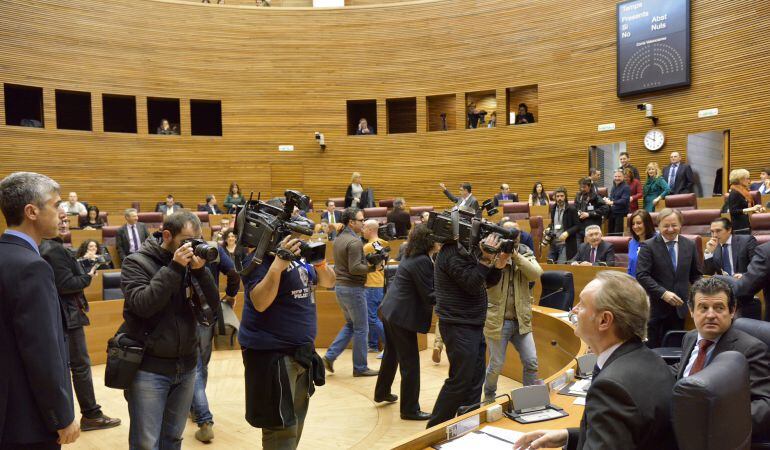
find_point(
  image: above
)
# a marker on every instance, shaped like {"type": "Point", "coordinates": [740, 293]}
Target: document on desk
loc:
{"type": "Point", "coordinates": [479, 439]}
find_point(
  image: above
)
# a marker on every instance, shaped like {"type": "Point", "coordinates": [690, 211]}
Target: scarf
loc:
{"type": "Point", "coordinates": [745, 192]}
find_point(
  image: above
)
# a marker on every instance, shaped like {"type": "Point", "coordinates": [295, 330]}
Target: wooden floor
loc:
{"type": "Point", "coordinates": [342, 413]}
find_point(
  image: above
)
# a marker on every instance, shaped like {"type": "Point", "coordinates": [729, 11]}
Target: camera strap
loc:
{"type": "Point", "coordinates": [203, 312]}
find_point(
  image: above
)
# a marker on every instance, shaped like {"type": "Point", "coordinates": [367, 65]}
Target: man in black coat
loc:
{"type": "Point", "coordinates": [594, 251]}
{"type": "Point", "coordinates": [740, 249]}
{"type": "Point", "coordinates": [332, 215]}
{"type": "Point", "coordinates": [666, 283]}
{"type": "Point", "coordinates": [211, 206]}
{"type": "Point", "coordinates": [591, 208]}
{"type": "Point", "coordinates": [678, 175]}
{"type": "Point", "coordinates": [130, 236]}
{"type": "Point", "coordinates": [505, 195]}
{"type": "Point", "coordinates": [713, 307]}
{"type": "Point", "coordinates": [628, 405]}
{"type": "Point", "coordinates": [757, 276]}
{"type": "Point", "coordinates": [466, 200]}
{"type": "Point", "coordinates": [566, 227]}
{"type": "Point", "coordinates": [401, 218]}
{"type": "Point", "coordinates": [71, 279]}
{"type": "Point", "coordinates": [36, 405]}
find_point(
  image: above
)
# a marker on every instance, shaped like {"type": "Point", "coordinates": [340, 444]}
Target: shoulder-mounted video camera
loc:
{"type": "Point", "coordinates": [466, 229]}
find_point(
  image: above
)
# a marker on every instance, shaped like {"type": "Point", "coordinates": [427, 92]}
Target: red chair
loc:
{"type": "Point", "coordinates": [698, 221]}
{"type": "Point", "coordinates": [536, 230]}
{"type": "Point", "coordinates": [387, 203]}
{"type": "Point", "coordinates": [516, 210]}
{"type": "Point", "coordinates": [379, 214]}
{"type": "Point", "coordinates": [416, 211]}
{"type": "Point", "coordinates": [698, 245]}
{"type": "Point", "coordinates": [151, 219]}
{"type": "Point", "coordinates": [202, 215]}
{"type": "Point", "coordinates": [760, 224]}
{"type": "Point", "coordinates": [108, 235]}
{"type": "Point", "coordinates": [135, 205]}
{"type": "Point", "coordinates": [339, 202]}
{"type": "Point", "coordinates": [620, 244]}
{"type": "Point", "coordinates": [762, 238]}
{"type": "Point", "coordinates": [682, 202]}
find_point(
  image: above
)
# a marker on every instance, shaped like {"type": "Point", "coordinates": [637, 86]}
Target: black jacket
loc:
{"type": "Point", "coordinates": [461, 286]}
{"type": "Point", "coordinates": [35, 385]}
{"type": "Point", "coordinates": [621, 198]}
{"type": "Point", "coordinates": [655, 273]}
{"type": "Point", "coordinates": [743, 248]}
{"type": "Point", "coordinates": [570, 224]}
{"type": "Point", "coordinates": [210, 209]}
{"type": "Point", "coordinates": [594, 206]}
{"type": "Point", "coordinates": [402, 220]}
{"type": "Point", "coordinates": [628, 405]}
{"type": "Point", "coordinates": [122, 241]}
{"type": "Point", "coordinates": [71, 279]}
{"type": "Point", "coordinates": [736, 203]}
{"type": "Point", "coordinates": [470, 204]}
{"type": "Point", "coordinates": [757, 275]}
{"type": "Point", "coordinates": [684, 181]}
{"type": "Point", "coordinates": [758, 359]}
{"type": "Point", "coordinates": [605, 253]}
{"type": "Point", "coordinates": [410, 297]}
{"type": "Point", "coordinates": [156, 299]}
{"type": "Point", "coordinates": [512, 197]}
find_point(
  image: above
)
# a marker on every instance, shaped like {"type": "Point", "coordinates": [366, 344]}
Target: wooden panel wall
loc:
{"type": "Point", "coordinates": [402, 115]}
{"type": "Point", "coordinates": [282, 74]}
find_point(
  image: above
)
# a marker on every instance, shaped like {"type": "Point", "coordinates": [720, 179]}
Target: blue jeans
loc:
{"type": "Point", "coordinates": [376, 330]}
{"type": "Point", "coordinates": [158, 407]}
{"type": "Point", "coordinates": [352, 301]}
{"type": "Point", "coordinates": [200, 404]}
{"type": "Point", "coordinates": [524, 344]}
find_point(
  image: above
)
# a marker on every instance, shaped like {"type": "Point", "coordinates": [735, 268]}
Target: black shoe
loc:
{"type": "Point", "coordinates": [390, 398]}
{"type": "Point", "coordinates": [99, 423]}
{"type": "Point", "coordinates": [367, 373]}
{"type": "Point", "coordinates": [419, 415]}
{"type": "Point", "coordinates": [328, 364]}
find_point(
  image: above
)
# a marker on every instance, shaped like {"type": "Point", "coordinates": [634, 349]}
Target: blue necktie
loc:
{"type": "Point", "coordinates": [672, 176]}
{"type": "Point", "coordinates": [727, 267]}
{"type": "Point", "coordinates": [672, 252]}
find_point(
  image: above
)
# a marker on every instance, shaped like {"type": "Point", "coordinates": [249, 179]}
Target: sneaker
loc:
{"type": "Point", "coordinates": [99, 423]}
{"type": "Point", "coordinates": [374, 350]}
{"type": "Point", "coordinates": [380, 355]}
{"type": "Point", "coordinates": [366, 373]}
{"type": "Point", "coordinates": [436, 355]}
{"type": "Point", "coordinates": [328, 364]}
{"type": "Point", "coordinates": [205, 432]}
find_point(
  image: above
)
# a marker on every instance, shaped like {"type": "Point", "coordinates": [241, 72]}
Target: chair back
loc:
{"type": "Point", "coordinates": [111, 286]}
{"type": "Point", "coordinates": [558, 290]}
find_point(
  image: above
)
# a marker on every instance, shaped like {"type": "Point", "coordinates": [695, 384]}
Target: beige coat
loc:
{"type": "Point", "coordinates": [526, 270]}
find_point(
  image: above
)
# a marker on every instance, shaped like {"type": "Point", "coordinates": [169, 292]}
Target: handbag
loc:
{"type": "Point", "coordinates": [124, 356]}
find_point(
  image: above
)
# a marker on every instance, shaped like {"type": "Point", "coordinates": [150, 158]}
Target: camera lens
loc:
{"type": "Point", "coordinates": [206, 252]}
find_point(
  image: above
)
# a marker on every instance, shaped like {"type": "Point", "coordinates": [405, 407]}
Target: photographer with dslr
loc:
{"type": "Point", "coordinates": [562, 233]}
{"type": "Point", "coordinates": [351, 268]}
{"type": "Point", "coordinates": [168, 292]}
{"type": "Point", "coordinates": [71, 278]}
{"type": "Point", "coordinates": [591, 208]}
{"type": "Point", "coordinates": [277, 334]}
{"type": "Point", "coordinates": [509, 314]}
{"type": "Point", "coordinates": [375, 285]}
{"type": "Point", "coordinates": [461, 305]}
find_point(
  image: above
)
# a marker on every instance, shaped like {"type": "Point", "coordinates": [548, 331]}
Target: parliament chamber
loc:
{"type": "Point", "coordinates": [272, 98]}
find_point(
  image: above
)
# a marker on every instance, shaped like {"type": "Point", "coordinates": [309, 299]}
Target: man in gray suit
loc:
{"type": "Point", "coordinates": [594, 251]}
{"type": "Point", "coordinates": [713, 306]}
{"type": "Point", "coordinates": [628, 405]}
{"type": "Point", "coordinates": [666, 266]}
{"type": "Point", "coordinates": [129, 237]}
{"type": "Point", "coordinates": [466, 200]}
{"type": "Point", "coordinates": [740, 249]}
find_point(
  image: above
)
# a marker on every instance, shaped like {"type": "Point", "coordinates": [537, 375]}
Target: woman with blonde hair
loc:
{"type": "Point", "coordinates": [739, 201]}
{"type": "Point", "coordinates": [655, 188]}
{"type": "Point", "coordinates": [354, 192]}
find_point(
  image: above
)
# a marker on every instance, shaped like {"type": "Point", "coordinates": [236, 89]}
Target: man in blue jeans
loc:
{"type": "Point", "coordinates": [157, 312]}
{"type": "Point", "coordinates": [375, 284]}
{"type": "Point", "coordinates": [351, 268]}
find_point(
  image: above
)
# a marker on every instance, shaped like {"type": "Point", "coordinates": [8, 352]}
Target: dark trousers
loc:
{"type": "Point", "coordinates": [658, 326]}
{"type": "Point", "coordinates": [400, 351]}
{"type": "Point", "coordinates": [36, 446]}
{"type": "Point", "coordinates": [615, 224]}
{"type": "Point", "coordinates": [80, 364]}
{"type": "Point", "coordinates": [466, 350]}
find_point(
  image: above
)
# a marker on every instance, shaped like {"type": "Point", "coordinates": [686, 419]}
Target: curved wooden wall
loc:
{"type": "Point", "coordinates": [282, 74]}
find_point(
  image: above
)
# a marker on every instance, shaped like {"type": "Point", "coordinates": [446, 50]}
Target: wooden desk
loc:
{"type": "Point", "coordinates": [94, 291]}
{"type": "Point", "coordinates": [540, 210]}
{"type": "Point", "coordinates": [79, 236]}
{"type": "Point", "coordinates": [710, 202]}
{"type": "Point", "coordinates": [549, 359]}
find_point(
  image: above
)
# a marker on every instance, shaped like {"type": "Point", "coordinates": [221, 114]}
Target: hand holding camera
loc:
{"type": "Point", "coordinates": [288, 250]}
{"type": "Point", "coordinates": [491, 242]}
{"type": "Point", "coordinates": [583, 215]}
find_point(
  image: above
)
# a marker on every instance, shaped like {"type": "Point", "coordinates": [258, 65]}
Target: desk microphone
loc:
{"type": "Point", "coordinates": [465, 409]}
{"type": "Point", "coordinates": [561, 289]}
{"type": "Point", "coordinates": [577, 366]}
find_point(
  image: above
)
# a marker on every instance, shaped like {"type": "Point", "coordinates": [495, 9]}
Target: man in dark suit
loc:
{"type": "Point", "coordinates": [763, 185]}
{"type": "Point", "coordinates": [36, 405]}
{"type": "Point", "coordinates": [591, 208]}
{"type": "Point", "coordinates": [756, 277]}
{"type": "Point", "coordinates": [666, 266]}
{"type": "Point", "coordinates": [466, 200]}
{"type": "Point", "coordinates": [594, 251]}
{"type": "Point", "coordinates": [713, 307]}
{"type": "Point", "coordinates": [565, 225]}
{"type": "Point", "coordinates": [628, 405]}
{"type": "Point", "coordinates": [505, 195]}
{"type": "Point", "coordinates": [331, 215]}
{"type": "Point", "coordinates": [678, 175]}
{"type": "Point", "coordinates": [130, 236]}
{"type": "Point", "coordinates": [625, 163]}
{"type": "Point", "coordinates": [400, 218]}
{"type": "Point", "coordinates": [740, 250]}
{"type": "Point", "coordinates": [211, 206]}
{"type": "Point", "coordinates": [170, 207]}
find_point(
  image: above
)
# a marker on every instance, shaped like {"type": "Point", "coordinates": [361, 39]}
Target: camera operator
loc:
{"type": "Point", "coordinates": [509, 315]}
{"type": "Point", "coordinates": [71, 279]}
{"type": "Point", "coordinates": [277, 334]}
{"type": "Point", "coordinates": [564, 226]}
{"type": "Point", "coordinates": [461, 305]}
{"type": "Point", "coordinates": [161, 283]}
{"type": "Point", "coordinates": [374, 287]}
{"type": "Point", "coordinates": [591, 208]}
{"type": "Point", "coordinates": [351, 268]}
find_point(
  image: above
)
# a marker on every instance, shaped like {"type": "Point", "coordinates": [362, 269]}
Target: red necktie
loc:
{"type": "Point", "coordinates": [700, 361]}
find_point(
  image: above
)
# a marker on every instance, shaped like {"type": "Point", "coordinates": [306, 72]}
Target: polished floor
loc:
{"type": "Point", "coordinates": [342, 413]}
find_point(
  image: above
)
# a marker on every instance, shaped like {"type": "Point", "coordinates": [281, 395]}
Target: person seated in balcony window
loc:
{"type": "Point", "coordinates": [364, 127]}
{"type": "Point", "coordinates": [165, 128]}
{"type": "Point", "coordinates": [91, 221]}
{"type": "Point", "coordinates": [492, 120]}
{"type": "Point", "coordinates": [524, 116]}
{"type": "Point", "coordinates": [91, 253]}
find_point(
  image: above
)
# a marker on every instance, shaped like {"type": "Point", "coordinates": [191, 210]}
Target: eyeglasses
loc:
{"type": "Point", "coordinates": [357, 220]}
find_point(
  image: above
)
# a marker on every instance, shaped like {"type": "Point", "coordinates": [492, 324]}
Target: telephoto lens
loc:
{"type": "Point", "coordinates": [203, 250]}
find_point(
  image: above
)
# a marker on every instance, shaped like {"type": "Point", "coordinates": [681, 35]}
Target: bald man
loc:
{"type": "Point", "coordinates": [678, 175]}
{"type": "Point", "coordinates": [374, 289]}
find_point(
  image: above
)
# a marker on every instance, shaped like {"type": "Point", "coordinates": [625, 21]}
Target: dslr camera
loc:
{"type": "Point", "coordinates": [202, 249]}
{"type": "Point", "coordinates": [381, 254]}
{"type": "Point", "coordinates": [262, 226]}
